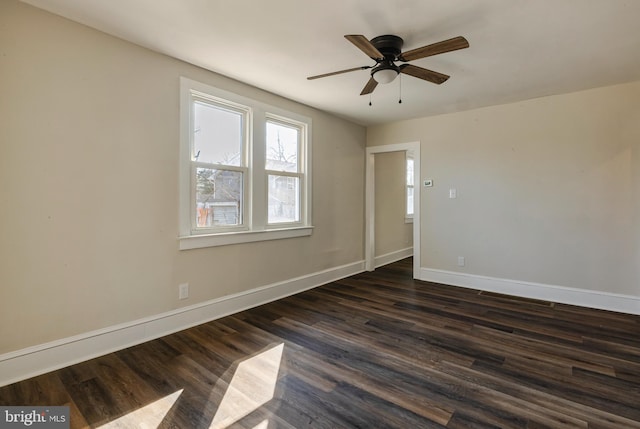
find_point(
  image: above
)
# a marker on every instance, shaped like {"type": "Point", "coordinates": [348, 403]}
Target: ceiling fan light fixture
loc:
{"type": "Point", "coordinates": [385, 73]}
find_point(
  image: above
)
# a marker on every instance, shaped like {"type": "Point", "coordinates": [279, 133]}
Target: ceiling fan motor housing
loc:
{"type": "Point", "coordinates": [391, 47]}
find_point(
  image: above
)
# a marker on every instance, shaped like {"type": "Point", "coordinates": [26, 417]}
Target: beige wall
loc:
{"type": "Point", "coordinates": [89, 180]}
{"type": "Point", "coordinates": [392, 233]}
{"type": "Point", "coordinates": [548, 189]}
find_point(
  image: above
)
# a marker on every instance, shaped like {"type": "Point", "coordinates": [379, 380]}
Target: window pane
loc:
{"type": "Point", "coordinates": [284, 199]}
{"type": "Point", "coordinates": [217, 134]}
{"type": "Point", "coordinates": [409, 172]}
{"type": "Point", "coordinates": [282, 147]}
{"type": "Point", "coordinates": [410, 200]}
{"type": "Point", "coordinates": [218, 197]}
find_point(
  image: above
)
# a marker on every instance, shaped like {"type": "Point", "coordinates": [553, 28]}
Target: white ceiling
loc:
{"type": "Point", "coordinates": [519, 49]}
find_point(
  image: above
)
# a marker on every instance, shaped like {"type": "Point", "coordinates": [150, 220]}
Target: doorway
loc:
{"type": "Point", "coordinates": [370, 202]}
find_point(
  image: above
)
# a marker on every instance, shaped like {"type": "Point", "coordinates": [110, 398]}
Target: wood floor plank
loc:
{"type": "Point", "coordinates": [375, 350]}
{"type": "Point", "coordinates": [551, 402]}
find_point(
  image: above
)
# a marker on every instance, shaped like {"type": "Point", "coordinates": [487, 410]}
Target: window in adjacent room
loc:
{"type": "Point", "coordinates": [409, 187]}
{"type": "Point", "coordinates": [244, 170]}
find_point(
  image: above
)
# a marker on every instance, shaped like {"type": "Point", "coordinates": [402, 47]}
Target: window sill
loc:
{"type": "Point", "coordinates": [408, 220]}
{"type": "Point", "coordinates": [223, 239]}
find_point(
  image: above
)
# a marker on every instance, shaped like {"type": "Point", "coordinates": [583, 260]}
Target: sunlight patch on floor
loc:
{"type": "Point", "coordinates": [148, 417]}
{"type": "Point", "coordinates": [253, 385]}
{"type": "Point", "coordinates": [262, 425]}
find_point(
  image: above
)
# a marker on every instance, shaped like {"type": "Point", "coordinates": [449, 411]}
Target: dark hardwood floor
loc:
{"type": "Point", "coordinates": [376, 350]}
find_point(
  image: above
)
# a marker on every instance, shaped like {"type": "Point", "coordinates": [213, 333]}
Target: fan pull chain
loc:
{"type": "Point", "coordinates": [400, 92]}
{"type": "Point", "coordinates": [370, 99]}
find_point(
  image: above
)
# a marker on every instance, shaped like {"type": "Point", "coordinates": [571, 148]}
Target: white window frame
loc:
{"type": "Point", "coordinates": [255, 226]}
{"type": "Point", "coordinates": [301, 169]}
{"type": "Point", "coordinates": [245, 111]}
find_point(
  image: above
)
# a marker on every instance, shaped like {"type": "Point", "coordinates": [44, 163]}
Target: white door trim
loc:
{"type": "Point", "coordinates": [369, 236]}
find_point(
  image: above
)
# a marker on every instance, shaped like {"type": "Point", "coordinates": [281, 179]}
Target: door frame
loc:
{"type": "Point", "coordinates": [370, 202]}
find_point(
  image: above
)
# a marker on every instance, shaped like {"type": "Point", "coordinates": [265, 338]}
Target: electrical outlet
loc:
{"type": "Point", "coordinates": [183, 291]}
{"type": "Point", "coordinates": [461, 261]}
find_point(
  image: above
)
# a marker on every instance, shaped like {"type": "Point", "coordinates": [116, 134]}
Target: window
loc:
{"type": "Point", "coordinates": [409, 187]}
{"type": "Point", "coordinates": [283, 171]}
{"type": "Point", "coordinates": [219, 141]}
{"type": "Point", "coordinates": [244, 169]}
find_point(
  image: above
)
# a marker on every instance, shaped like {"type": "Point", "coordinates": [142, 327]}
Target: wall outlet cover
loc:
{"type": "Point", "coordinates": [183, 291]}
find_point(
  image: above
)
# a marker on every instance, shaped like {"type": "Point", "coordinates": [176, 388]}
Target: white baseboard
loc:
{"type": "Point", "coordinates": [43, 358]}
{"type": "Point", "coordinates": [559, 294]}
{"type": "Point", "coordinates": [388, 258]}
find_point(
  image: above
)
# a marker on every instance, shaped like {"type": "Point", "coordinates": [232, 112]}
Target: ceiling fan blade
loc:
{"type": "Point", "coordinates": [338, 72]}
{"type": "Point", "coordinates": [435, 49]}
{"type": "Point", "coordinates": [364, 45]}
{"type": "Point", "coordinates": [369, 87]}
{"type": "Point", "coordinates": [422, 73]}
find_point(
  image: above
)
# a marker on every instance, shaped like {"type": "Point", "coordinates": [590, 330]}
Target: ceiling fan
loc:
{"type": "Point", "coordinates": [387, 50]}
